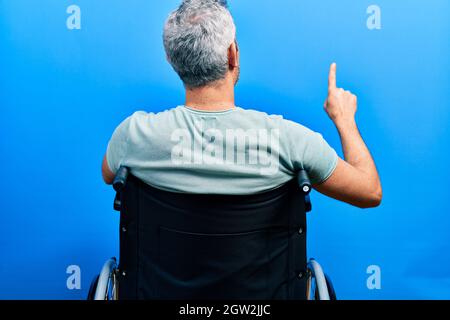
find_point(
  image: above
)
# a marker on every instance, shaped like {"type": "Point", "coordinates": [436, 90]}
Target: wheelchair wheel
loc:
{"type": "Point", "coordinates": [330, 287]}
{"type": "Point", "coordinates": [92, 288]}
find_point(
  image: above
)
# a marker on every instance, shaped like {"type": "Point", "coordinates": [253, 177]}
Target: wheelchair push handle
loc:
{"type": "Point", "coordinates": [304, 182]}
{"type": "Point", "coordinates": [121, 178]}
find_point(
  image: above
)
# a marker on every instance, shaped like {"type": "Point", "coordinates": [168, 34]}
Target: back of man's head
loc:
{"type": "Point", "coordinates": [196, 38]}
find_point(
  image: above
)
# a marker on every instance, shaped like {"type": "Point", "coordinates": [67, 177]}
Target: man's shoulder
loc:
{"type": "Point", "coordinates": [143, 116]}
{"type": "Point", "coordinates": [166, 116]}
{"type": "Point", "coordinates": [277, 119]}
{"type": "Point", "coordinates": [257, 115]}
{"type": "Point", "coordinates": [252, 112]}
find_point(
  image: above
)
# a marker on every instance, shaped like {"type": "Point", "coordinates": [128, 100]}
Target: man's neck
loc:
{"type": "Point", "coordinates": [218, 97]}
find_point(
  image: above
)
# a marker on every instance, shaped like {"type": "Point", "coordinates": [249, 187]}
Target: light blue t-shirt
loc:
{"type": "Point", "coordinates": [236, 151]}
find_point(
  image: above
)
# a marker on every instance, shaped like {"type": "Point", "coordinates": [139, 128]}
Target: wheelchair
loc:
{"type": "Point", "coordinates": [177, 246]}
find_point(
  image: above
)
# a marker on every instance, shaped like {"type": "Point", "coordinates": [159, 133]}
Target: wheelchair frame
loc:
{"type": "Point", "coordinates": [105, 285]}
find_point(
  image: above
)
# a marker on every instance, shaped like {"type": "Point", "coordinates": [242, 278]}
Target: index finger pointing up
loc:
{"type": "Point", "coordinates": [332, 77]}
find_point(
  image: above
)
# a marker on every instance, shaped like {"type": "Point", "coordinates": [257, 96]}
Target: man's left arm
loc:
{"type": "Point", "coordinates": [108, 175]}
{"type": "Point", "coordinates": [116, 151]}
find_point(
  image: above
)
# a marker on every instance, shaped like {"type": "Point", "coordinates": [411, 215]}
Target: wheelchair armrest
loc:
{"type": "Point", "coordinates": [121, 178]}
{"type": "Point", "coordinates": [304, 182]}
{"type": "Point", "coordinates": [305, 185]}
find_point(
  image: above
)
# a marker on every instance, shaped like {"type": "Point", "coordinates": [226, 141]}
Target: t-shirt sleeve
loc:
{"type": "Point", "coordinates": [117, 146]}
{"type": "Point", "coordinates": [308, 150]}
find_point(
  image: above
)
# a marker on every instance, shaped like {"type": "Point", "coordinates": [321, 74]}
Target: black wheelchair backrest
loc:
{"type": "Point", "coordinates": [193, 246]}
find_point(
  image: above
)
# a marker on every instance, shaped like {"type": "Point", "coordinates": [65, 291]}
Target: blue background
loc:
{"type": "Point", "coordinates": [62, 93]}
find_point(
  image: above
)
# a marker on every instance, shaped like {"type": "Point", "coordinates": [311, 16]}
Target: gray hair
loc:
{"type": "Point", "coordinates": [196, 38]}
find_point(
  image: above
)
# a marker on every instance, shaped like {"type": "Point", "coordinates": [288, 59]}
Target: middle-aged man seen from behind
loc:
{"type": "Point", "coordinates": [210, 146]}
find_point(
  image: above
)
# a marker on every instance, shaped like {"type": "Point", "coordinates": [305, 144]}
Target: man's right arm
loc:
{"type": "Point", "coordinates": [355, 179]}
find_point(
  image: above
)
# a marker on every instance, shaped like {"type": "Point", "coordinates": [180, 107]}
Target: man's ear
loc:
{"type": "Point", "coordinates": [233, 56]}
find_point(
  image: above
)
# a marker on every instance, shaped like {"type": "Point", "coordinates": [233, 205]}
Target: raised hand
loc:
{"type": "Point", "coordinates": [341, 105]}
